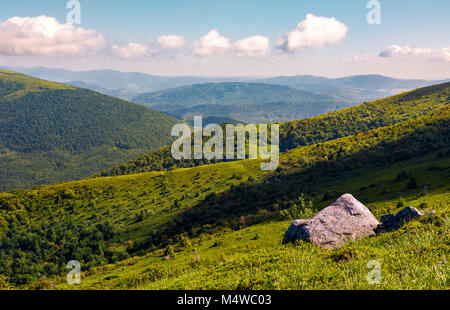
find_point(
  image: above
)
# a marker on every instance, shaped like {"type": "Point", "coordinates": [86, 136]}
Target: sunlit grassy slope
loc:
{"type": "Point", "coordinates": [415, 257]}
{"type": "Point", "coordinates": [102, 220]}
{"type": "Point", "coordinates": [330, 126]}
{"type": "Point", "coordinates": [222, 223]}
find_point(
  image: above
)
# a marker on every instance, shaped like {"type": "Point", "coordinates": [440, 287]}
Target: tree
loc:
{"type": "Point", "coordinates": [411, 184]}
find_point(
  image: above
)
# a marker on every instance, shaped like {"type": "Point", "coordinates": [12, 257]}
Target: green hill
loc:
{"type": "Point", "coordinates": [52, 132]}
{"type": "Point", "coordinates": [250, 102]}
{"type": "Point", "coordinates": [104, 221]}
{"type": "Point", "coordinates": [216, 249]}
{"type": "Point", "coordinates": [357, 88]}
{"type": "Point", "coordinates": [333, 125]}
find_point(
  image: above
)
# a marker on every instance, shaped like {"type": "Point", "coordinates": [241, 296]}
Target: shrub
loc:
{"type": "Point", "coordinates": [217, 243]}
{"type": "Point", "coordinates": [403, 175]}
{"type": "Point", "coordinates": [300, 210]}
{"type": "Point", "coordinates": [401, 203]}
{"type": "Point", "coordinates": [411, 184]}
{"type": "Point", "coordinates": [169, 251]}
{"type": "Point", "coordinates": [344, 255]}
{"type": "Point", "coordinates": [4, 283]}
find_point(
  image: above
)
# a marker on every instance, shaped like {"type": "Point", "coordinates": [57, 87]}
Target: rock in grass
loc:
{"type": "Point", "coordinates": [394, 221]}
{"type": "Point", "coordinates": [345, 219]}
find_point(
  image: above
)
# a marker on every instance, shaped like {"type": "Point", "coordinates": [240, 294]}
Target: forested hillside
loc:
{"type": "Point", "coordinates": [249, 102]}
{"type": "Point", "coordinates": [338, 124]}
{"type": "Point", "coordinates": [106, 220]}
{"type": "Point", "coordinates": [53, 132]}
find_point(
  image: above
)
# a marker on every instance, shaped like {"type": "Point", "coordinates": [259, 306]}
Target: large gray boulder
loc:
{"type": "Point", "coordinates": [345, 219]}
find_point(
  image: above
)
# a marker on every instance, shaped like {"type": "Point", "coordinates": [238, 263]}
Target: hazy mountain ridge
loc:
{"type": "Point", "coordinates": [357, 89]}
{"type": "Point", "coordinates": [120, 93]}
{"type": "Point", "coordinates": [250, 102]}
{"type": "Point", "coordinates": [318, 129]}
{"type": "Point", "coordinates": [113, 80]}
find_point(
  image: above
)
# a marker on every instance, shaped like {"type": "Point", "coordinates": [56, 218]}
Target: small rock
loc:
{"type": "Point", "coordinates": [291, 233]}
{"type": "Point", "coordinates": [345, 219]}
{"type": "Point", "coordinates": [394, 221]}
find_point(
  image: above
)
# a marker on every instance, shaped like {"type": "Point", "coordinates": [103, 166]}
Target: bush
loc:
{"type": "Point", "coordinates": [401, 203]}
{"type": "Point", "coordinates": [411, 184]}
{"type": "Point", "coordinates": [169, 251]}
{"type": "Point", "coordinates": [300, 210]}
{"type": "Point", "coordinates": [4, 283]}
{"type": "Point", "coordinates": [401, 176]}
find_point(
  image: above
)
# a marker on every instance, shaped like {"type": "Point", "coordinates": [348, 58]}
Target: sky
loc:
{"type": "Point", "coordinates": [329, 38]}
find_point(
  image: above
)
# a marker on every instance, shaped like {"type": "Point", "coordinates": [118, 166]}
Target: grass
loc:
{"type": "Point", "coordinates": [120, 199]}
{"type": "Point", "coordinates": [415, 257]}
{"type": "Point", "coordinates": [208, 200]}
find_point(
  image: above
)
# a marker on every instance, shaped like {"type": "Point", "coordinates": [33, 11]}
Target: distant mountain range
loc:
{"type": "Point", "coordinates": [358, 87]}
{"type": "Point", "coordinates": [330, 126]}
{"type": "Point", "coordinates": [120, 93]}
{"type": "Point", "coordinates": [249, 102]}
{"type": "Point", "coordinates": [125, 84]}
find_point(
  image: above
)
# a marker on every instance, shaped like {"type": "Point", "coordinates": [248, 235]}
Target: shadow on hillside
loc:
{"type": "Point", "coordinates": [255, 201]}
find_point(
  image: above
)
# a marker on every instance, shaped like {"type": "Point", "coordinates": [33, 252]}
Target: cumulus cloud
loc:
{"type": "Point", "coordinates": [407, 52]}
{"type": "Point", "coordinates": [314, 31]}
{"type": "Point", "coordinates": [211, 43]}
{"type": "Point", "coordinates": [397, 53]}
{"type": "Point", "coordinates": [255, 46]}
{"type": "Point", "coordinates": [130, 51]}
{"type": "Point", "coordinates": [44, 35]}
{"type": "Point", "coordinates": [171, 42]}
{"type": "Point", "coordinates": [365, 58]}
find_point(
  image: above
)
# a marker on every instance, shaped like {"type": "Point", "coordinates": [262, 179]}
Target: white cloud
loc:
{"type": "Point", "coordinates": [255, 46]}
{"type": "Point", "coordinates": [130, 51]}
{"type": "Point", "coordinates": [314, 31]}
{"type": "Point", "coordinates": [171, 42]}
{"type": "Point", "coordinates": [44, 35]}
{"type": "Point", "coordinates": [211, 43]}
{"type": "Point", "coordinates": [407, 52]}
{"type": "Point", "coordinates": [365, 58]}
{"type": "Point", "coordinates": [397, 53]}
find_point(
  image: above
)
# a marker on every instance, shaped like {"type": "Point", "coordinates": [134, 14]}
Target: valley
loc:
{"type": "Point", "coordinates": [121, 228]}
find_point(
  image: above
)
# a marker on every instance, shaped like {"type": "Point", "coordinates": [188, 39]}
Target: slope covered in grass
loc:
{"type": "Point", "coordinates": [106, 220]}
{"type": "Point", "coordinates": [334, 125]}
{"type": "Point", "coordinates": [415, 257]}
{"type": "Point", "coordinates": [52, 132]}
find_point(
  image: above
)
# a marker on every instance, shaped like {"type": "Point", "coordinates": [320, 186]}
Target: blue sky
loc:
{"type": "Point", "coordinates": [415, 33]}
